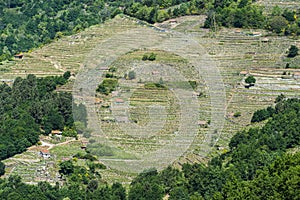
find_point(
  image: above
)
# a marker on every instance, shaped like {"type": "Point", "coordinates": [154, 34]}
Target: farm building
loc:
{"type": "Point", "coordinates": [265, 40]}
{"type": "Point", "coordinates": [119, 101]}
{"type": "Point", "coordinates": [19, 56]}
{"type": "Point", "coordinates": [56, 132]}
{"type": "Point", "coordinates": [173, 21]}
{"type": "Point", "coordinates": [255, 34]}
{"type": "Point", "coordinates": [45, 153]}
{"type": "Point", "coordinates": [296, 75]}
{"type": "Point", "coordinates": [243, 73]}
{"type": "Point", "coordinates": [203, 124]}
{"type": "Point", "coordinates": [238, 31]}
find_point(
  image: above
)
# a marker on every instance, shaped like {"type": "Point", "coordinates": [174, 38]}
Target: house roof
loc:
{"type": "Point", "coordinates": [297, 74]}
{"type": "Point", "coordinates": [56, 132]}
{"type": "Point", "coordinates": [155, 72]}
{"type": "Point", "coordinates": [202, 122]}
{"type": "Point", "coordinates": [44, 151]}
{"type": "Point", "coordinates": [118, 100]}
{"type": "Point", "coordinates": [244, 72]}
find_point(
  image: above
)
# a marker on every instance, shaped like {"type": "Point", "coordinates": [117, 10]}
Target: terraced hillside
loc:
{"type": "Point", "coordinates": [218, 62]}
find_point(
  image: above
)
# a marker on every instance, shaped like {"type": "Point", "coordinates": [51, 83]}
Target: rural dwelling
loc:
{"type": "Point", "coordinates": [45, 154]}
{"type": "Point", "coordinates": [173, 21]}
{"type": "Point", "coordinates": [243, 73]}
{"type": "Point", "coordinates": [203, 124]}
{"type": "Point", "coordinates": [238, 31]}
{"type": "Point", "coordinates": [265, 40]}
{"type": "Point", "coordinates": [56, 133]}
{"type": "Point", "coordinates": [296, 75]}
{"type": "Point", "coordinates": [119, 101]}
{"type": "Point", "coordinates": [255, 34]}
{"type": "Point", "coordinates": [19, 56]}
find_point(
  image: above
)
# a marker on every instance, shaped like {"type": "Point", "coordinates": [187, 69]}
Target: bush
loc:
{"type": "Point", "coordinates": [293, 51]}
{"type": "Point", "coordinates": [150, 57]}
{"type": "Point", "coordinates": [131, 75]}
{"type": "Point", "coordinates": [250, 80]}
{"type": "Point", "coordinates": [237, 114]}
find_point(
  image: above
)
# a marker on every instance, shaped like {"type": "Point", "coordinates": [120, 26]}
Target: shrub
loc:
{"type": "Point", "coordinates": [293, 51]}
{"type": "Point", "coordinates": [131, 75]}
{"type": "Point", "coordinates": [250, 80]}
{"type": "Point", "coordinates": [237, 114]}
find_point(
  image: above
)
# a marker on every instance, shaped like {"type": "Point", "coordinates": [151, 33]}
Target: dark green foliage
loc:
{"type": "Point", "coordinates": [146, 186]}
{"type": "Point", "coordinates": [66, 167]}
{"type": "Point", "coordinates": [293, 51]}
{"type": "Point", "coordinates": [227, 13]}
{"type": "Point", "coordinates": [193, 84]}
{"type": "Point", "coordinates": [263, 114]}
{"type": "Point", "coordinates": [107, 86]}
{"type": "Point", "coordinates": [131, 75]}
{"type": "Point", "coordinates": [150, 57]}
{"type": "Point", "coordinates": [278, 24]}
{"type": "Point", "coordinates": [250, 80]}
{"type": "Point", "coordinates": [2, 168]}
{"type": "Point", "coordinates": [280, 98]}
{"type": "Point", "coordinates": [29, 106]}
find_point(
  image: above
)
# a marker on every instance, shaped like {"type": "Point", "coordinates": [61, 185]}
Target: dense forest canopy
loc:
{"type": "Point", "coordinates": [31, 107]}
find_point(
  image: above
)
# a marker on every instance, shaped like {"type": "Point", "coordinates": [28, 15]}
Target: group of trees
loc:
{"type": "Point", "coordinates": [161, 10]}
{"type": "Point", "coordinates": [31, 107]}
{"type": "Point", "coordinates": [284, 21]}
{"type": "Point", "coordinates": [14, 189]}
{"type": "Point", "coordinates": [233, 13]}
{"type": "Point", "coordinates": [256, 166]}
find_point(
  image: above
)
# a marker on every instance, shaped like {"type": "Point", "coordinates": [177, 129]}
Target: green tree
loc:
{"type": "Point", "coordinates": [131, 75]}
{"type": "Point", "coordinates": [66, 167]}
{"type": "Point", "coordinates": [250, 80]}
{"type": "Point", "coordinates": [2, 168]}
{"type": "Point", "coordinates": [278, 24]}
{"type": "Point", "coordinates": [293, 51]}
